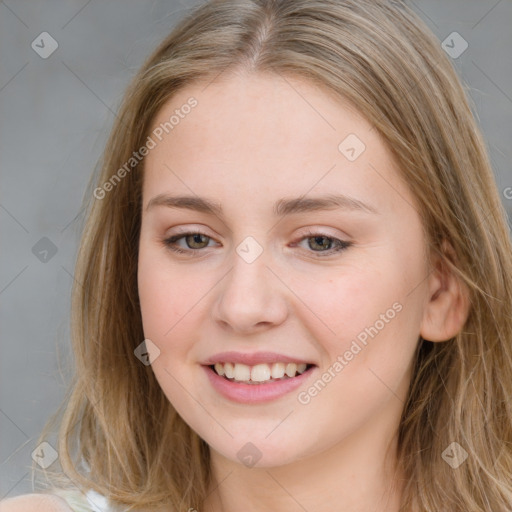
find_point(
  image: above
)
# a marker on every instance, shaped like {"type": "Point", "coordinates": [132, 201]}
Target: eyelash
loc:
{"type": "Point", "coordinates": [170, 243]}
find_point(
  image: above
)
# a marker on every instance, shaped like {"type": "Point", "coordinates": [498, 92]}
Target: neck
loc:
{"type": "Point", "coordinates": [358, 474]}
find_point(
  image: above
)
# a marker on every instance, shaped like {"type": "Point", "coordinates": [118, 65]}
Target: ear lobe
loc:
{"type": "Point", "coordinates": [448, 304]}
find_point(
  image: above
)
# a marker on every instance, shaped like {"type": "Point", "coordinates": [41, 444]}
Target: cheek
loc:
{"type": "Point", "coordinates": [365, 311]}
{"type": "Point", "coordinates": [368, 335]}
{"type": "Point", "coordinates": [175, 301]}
{"type": "Point", "coordinates": [169, 307]}
{"type": "Point", "coordinates": [340, 304]}
{"type": "Point", "coordinates": [165, 298]}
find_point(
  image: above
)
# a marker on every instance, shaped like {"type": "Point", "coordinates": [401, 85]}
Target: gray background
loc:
{"type": "Point", "coordinates": [54, 116]}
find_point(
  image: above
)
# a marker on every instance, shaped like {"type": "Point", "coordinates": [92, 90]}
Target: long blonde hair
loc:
{"type": "Point", "coordinates": [120, 436]}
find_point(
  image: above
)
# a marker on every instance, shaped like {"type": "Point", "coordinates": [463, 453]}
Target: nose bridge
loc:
{"type": "Point", "coordinates": [250, 277]}
{"type": "Point", "coordinates": [249, 295]}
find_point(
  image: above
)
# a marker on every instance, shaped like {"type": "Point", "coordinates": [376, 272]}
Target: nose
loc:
{"type": "Point", "coordinates": [250, 298]}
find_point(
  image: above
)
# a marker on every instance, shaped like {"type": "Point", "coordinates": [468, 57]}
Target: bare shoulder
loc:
{"type": "Point", "coordinates": [35, 503]}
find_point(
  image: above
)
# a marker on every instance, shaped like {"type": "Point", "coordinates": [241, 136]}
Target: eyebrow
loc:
{"type": "Point", "coordinates": [281, 208]}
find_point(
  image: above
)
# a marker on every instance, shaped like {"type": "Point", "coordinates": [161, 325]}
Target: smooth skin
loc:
{"type": "Point", "coordinates": [251, 141]}
{"type": "Point", "coordinates": [35, 502]}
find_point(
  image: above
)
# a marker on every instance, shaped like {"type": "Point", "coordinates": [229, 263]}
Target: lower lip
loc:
{"type": "Point", "coordinates": [255, 393]}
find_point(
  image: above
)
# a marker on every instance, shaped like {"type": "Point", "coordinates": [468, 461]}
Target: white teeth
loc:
{"type": "Point", "coordinates": [219, 368]}
{"type": "Point", "coordinates": [229, 370]}
{"type": "Point", "coordinates": [259, 373]}
{"type": "Point", "coordinates": [291, 369]}
{"type": "Point", "coordinates": [242, 372]}
{"type": "Point", "coordinates": [278, 370]}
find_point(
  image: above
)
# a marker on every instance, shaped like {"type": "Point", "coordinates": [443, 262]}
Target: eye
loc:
{"type": "Point", "coordinates": [323, 244]}
{"type": "Point", "coordinates": [194, 242]}
{"type": "Point", "coordinates": [319, 243]}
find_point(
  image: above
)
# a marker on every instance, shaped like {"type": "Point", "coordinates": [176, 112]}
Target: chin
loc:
{"type": "Point", "coordinates": [258, 452]}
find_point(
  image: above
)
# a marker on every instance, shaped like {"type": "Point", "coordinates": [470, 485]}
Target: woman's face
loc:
{"type": "Point", "coordinates": [278, 273]}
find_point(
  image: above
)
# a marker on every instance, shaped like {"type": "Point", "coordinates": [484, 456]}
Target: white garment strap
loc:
{"type": "Point", "coordinates": [97, 501]}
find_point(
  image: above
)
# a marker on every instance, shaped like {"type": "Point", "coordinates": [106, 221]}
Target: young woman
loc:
{"type": "Point", "coordinates": [294, 284]}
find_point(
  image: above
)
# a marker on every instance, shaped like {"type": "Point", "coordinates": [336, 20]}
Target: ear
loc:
{"type": "Point", "coordinates": [448, 303]}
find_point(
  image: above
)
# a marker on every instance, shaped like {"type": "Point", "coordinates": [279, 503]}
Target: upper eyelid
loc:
{"type": "Point", "coordinates": [309, 234]}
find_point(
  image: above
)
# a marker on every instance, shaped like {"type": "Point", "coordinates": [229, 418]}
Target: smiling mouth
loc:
{"type": "Point", "coordinates": [261, 373]}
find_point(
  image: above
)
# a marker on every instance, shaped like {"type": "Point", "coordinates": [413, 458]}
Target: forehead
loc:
{"type": "Point", "coordinates": [265, 114]}
{"type": "Point", "coordinates": [273, 134]}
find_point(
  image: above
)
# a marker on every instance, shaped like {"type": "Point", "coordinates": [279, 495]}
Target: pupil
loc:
{"type": "Point", "coordinates": [196, 239]}
{"type": "Point", "coordinates": [318, 241]}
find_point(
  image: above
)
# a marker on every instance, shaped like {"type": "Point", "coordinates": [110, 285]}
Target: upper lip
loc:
{"type": "Point", "coordinates": [253, 358]}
